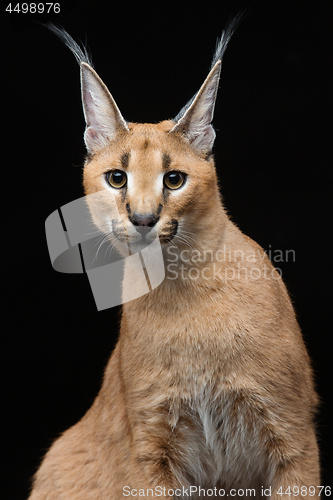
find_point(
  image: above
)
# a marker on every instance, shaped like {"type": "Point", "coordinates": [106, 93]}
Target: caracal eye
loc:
{"type": "Point", "coordinates": [174, 180]}
{"type": "Point", "coordinates": [116, 178]}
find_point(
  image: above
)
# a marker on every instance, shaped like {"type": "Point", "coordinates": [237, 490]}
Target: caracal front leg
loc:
{"type": "Point", "coordinates": [298, 471]}
{"type": "Point", "coordinates": [152, 466]}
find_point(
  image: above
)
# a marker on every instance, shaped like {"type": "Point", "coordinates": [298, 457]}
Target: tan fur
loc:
{"type": "Point", "coordinates": [210, 383]}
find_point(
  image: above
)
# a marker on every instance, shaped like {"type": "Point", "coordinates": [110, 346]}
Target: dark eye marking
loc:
{"type": "Point", "coordinates": [166, 161]}
{"type": "Point", "coordinates": [124, 160]}
{"type": "Point", "coordinates": [166, 194]}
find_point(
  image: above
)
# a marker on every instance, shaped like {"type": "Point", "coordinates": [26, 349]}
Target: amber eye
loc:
{"type": "Point", "coordinates": [174, 180]}
{"type": "Point", "coordinates": [116, 178]}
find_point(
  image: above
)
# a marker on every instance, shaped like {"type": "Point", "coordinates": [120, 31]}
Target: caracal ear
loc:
{"type": "Point", "coordinates": [195, 123]}
{"type": "Point", "coordinates": [103, 118]}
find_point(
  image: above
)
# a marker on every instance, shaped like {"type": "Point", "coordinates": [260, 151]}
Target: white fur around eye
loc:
{"type": "Point", "coordinates": [130, 182]}
{"type": "Point", "coordinates": [159, 184]}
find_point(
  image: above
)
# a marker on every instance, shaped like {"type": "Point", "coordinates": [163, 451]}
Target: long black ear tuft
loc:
{"type": "Point", "coordinates": [194, 119]}
{"type": "Point", "coordinates": [102, 116]}
{"type": "Point", "coordinates": [222, 43]}
{"type": "Point", "coordinates": [81, 54]}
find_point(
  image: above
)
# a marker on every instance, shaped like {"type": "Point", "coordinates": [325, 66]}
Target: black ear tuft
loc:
{"type": "Point", "coordinates": [80, 54]}
{"type": "Point", "coordinates": [102, 116]}
{"type": "Point", "coordinates": [221, 46]}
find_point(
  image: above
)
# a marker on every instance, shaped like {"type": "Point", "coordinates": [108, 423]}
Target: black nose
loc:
{"type": "Point", "coordinates": [144, 220]}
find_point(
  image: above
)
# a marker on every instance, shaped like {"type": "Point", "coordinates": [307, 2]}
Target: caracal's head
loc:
{"type": "Point", "coordinates": [144, 181]}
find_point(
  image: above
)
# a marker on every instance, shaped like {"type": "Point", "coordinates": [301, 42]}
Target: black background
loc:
{"type": "Point", "coordinates": [272, 156]}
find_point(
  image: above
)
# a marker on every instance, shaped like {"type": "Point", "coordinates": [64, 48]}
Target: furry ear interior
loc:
{"type": "Point", "coordinates": [195, 123]}
{"type": "Point", "coordinates": [102, 115]}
